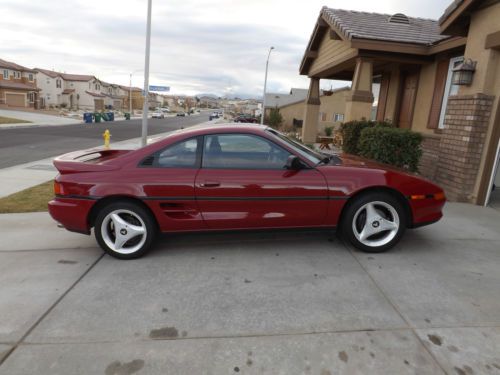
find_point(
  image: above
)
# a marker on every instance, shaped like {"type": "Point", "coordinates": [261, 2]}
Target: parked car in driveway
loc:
{"type": "Point", "coordinates": [158, 114]}
{"type": "Point", "coordinates": [234, 177]}
{"type": "Point", "coordinates": [246, 119]}
{"type": "Point", "coordinates": [213, 116]}
{"type": "Point", "coordinates": [181, 114]}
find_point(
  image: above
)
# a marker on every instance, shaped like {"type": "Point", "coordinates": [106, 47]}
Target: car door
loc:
{"type": "Point", "coordinates": [167, 178]}
{"type": "Point", "coordinates": [243, 183]}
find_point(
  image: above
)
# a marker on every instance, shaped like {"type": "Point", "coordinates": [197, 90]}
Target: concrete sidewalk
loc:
{"type": "Point", "coordinates": [267, 303]}
{"type": "Point", "coordinates": [35, 119]}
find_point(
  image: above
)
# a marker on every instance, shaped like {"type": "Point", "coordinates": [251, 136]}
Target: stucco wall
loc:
{"type": "Point", "coordinates": [330, 105]}
{"type": "Point", "coordinates": [487, 76]}
{"type": "Point", "coordinates": [423, 101]}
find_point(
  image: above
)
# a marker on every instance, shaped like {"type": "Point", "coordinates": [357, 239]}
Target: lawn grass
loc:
{"type": "Point", "coordinates": [9, 120]}
{"type": "Point", "coordinates": [34, 199]}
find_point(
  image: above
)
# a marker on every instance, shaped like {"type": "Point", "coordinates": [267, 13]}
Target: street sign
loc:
{"type": "Point", "coordinates": [159, 88]}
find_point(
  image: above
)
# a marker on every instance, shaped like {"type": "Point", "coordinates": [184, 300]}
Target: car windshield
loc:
{"type": "Point", "coordinates": [300, 148]}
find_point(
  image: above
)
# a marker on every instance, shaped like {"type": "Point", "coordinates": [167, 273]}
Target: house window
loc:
{"type": "Point", "coordinates": [31, 97]}
{"type": "Point", "coordinates": [58, 83]}
{"type": "Point", "coordinates": [30, 76]}
{"type": "Point", "coordinates": [18, 74]}
{"type": "Point", "coordinates": [90, 86]}
{"type": "Point", "coordinates": [5, 74]}
{"type": "Point", "coordinates": [450, 89]}
{"type": "Point", "coordinates": [338, 117]}
{"type": "Point", "coordinates": [322, 116]}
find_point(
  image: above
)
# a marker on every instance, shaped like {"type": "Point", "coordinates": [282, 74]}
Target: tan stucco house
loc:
{"type": "Point", "coordinates": [292, 107]}
{"type": "Point", "coordinates": [405, 67]}
{"type": "Point", "coordinates": [18, 85]}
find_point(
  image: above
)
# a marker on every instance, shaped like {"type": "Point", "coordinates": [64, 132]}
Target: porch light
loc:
{"type": "Point", "coordinates": [463, 73]}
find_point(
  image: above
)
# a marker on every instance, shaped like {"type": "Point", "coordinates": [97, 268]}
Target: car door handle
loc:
{"type": "Point", "coordinates": [210, 184]}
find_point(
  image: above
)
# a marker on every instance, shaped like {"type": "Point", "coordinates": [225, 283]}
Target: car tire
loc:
{"type": "Point", "coordinates": [374, 222]}
{"type": "Point", "coordinates": [136, 225]}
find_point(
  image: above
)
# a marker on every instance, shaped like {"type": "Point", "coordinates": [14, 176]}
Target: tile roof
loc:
{"type": "Point", "coordinates": [376, 26]}
{"type": "Point", "coordinates": [18, 85]}
{"type": "Point", "coordinates": [127, 88]}
{"type": "Point", "coordinates": [49, 73]}
{"type": "Point", "coordinates": [449, 10]}
{"type": "Point", "coordinates": [279, 100]}
{"type": "Point", "coordinates": [95, 94]}
{"type": "Point", "coordinates": [66, 76]}
{"type": "Point", "coordinates": [14, 66]}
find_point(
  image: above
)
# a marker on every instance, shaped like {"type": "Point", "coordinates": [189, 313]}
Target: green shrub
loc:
{"type": "Point", "coordinates": [398, 147]}
{"type": "Point", "coordinates": [329, 131]}
{"type": "Point", "coordinates": [351, 132]}
{"type": "Point", "coordinates": [275, 118]}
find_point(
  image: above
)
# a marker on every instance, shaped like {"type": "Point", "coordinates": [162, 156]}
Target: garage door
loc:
{"type": "Point", "coordinates": [16, 100]}
{"type": "Point", "coordinates": [117, 104]}
{"type": "Point", "coordinates": [99, 104]}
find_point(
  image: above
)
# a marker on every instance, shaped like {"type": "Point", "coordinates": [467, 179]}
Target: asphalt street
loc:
{"type": "Point", "coordinates": [23, 145]}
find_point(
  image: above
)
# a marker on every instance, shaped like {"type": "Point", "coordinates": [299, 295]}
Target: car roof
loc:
{"type": "Point", "coordinates": [226, 127]}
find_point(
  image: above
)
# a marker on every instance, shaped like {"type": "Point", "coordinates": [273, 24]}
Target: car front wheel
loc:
{"type": "Point", "coordinates": [125, 230]}
{"type": "Point", "coordinates": [374, 222]}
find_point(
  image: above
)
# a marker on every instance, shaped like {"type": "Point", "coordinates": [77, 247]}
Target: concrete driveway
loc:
{"type": "Point", "coordinates": [288, 303]}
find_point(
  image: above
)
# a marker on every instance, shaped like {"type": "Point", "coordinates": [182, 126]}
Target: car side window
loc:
{"type": "Point", "coordinates": [242, 151]}
{"type": "Point", "coordinates": [179, 155]}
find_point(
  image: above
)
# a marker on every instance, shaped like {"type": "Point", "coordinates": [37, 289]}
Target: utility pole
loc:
{"type": "Point", "coordinates": [265, 84]}
{"type": "Point", "coordinates": [130, 95]}
{"type": "Point", "coordinates": [146, 79]}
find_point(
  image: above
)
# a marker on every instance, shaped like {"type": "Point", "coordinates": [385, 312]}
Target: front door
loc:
{"type": "Point", "coordinates": [243, 184]}
{"type": "Point", "coordinates": [407, 104]}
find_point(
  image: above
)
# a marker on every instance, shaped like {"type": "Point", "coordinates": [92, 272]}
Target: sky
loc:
{"type": "Point", "coordinates": [197, 46]}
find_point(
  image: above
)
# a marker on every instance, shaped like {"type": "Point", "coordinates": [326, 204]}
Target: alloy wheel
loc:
{"type": "Point", "coordinates": [375, 224]}
{"type": "Point", "coordinates": [123, 231]}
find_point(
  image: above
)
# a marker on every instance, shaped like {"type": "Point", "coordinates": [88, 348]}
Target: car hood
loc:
{"type": "Point", "coordinates": [353, 161]}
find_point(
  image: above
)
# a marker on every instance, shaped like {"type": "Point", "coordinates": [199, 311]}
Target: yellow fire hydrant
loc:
{"type": "Point", "coordinates": [107, 136]}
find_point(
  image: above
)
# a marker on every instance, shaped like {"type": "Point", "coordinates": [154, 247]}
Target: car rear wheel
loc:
{"type": "Point", "coordinates": [374, 222]}
{"type": "Point", "coordinates": [125, 230]}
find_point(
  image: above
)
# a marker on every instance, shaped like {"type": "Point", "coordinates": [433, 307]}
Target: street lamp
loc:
{"type": "Point", "coordinates": [130, 90]}
{"type": "Point", "coordinates": [146, 79]}
{"type": "Point", "coordinates": [265, 84]}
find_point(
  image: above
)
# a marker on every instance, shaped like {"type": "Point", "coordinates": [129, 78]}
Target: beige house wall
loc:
{"type": "Point", "coordinates": [330, 105]}
{"type": "Point", "coordinates": [487, 76]}
{"type": "Point", "coordinates": [330, 52]}
{"type": "Point", "coordinates": [423, 101]}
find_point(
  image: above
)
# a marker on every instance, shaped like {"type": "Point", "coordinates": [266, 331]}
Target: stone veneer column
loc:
{"type": "Point", "coordinates": [311, 113]}
{"type": "Point", "coordinates": [461, 145]}
{"type": "Point", "coordinates": [360, 99]}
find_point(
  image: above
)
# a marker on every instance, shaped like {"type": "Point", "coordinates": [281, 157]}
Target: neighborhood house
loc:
{"type": "Point", "coordinates": [439, 78]}
{"type": "Point", "coordinates": [18, 85]}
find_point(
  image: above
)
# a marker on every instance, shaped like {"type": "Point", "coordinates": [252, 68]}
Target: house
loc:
{"type": "Point", "coordinates": [113, 97]}
{"type": "Point", "coordinates": [331, 110]}
{"type": "Point", "coordinates": [18, 85]}
{"type": "Point", "coordinates": [412, 70]}
{"type": "Point", "coordinates": [131, 94]}
{"type": "Point", "coordinates": [74, 91]}
{"type": "Point", "coordinates": [277, 100]}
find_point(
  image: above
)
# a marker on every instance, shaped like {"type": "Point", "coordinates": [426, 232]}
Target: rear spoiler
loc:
{"type": "Point", "coordinates": [93, 160]}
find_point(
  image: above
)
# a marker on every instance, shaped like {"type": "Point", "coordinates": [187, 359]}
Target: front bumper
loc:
{"type": "Point", "coordinates": [72, 213]}
{"type": "Point", "coordinates": [426, 211]}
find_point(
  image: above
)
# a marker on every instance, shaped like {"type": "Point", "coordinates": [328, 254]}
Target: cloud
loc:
{"type": "Point", "coordinates": [217, 46]}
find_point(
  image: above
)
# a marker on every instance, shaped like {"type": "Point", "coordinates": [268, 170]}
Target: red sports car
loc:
{"type": "Point", "coordinates": [224, 177]}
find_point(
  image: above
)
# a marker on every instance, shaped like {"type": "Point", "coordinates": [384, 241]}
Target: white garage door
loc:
{"type": "Point", "coordinates": [16, 100]}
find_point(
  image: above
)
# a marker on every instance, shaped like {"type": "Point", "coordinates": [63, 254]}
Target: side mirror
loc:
{"type": "Point", "coordinates": [293, 163]}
